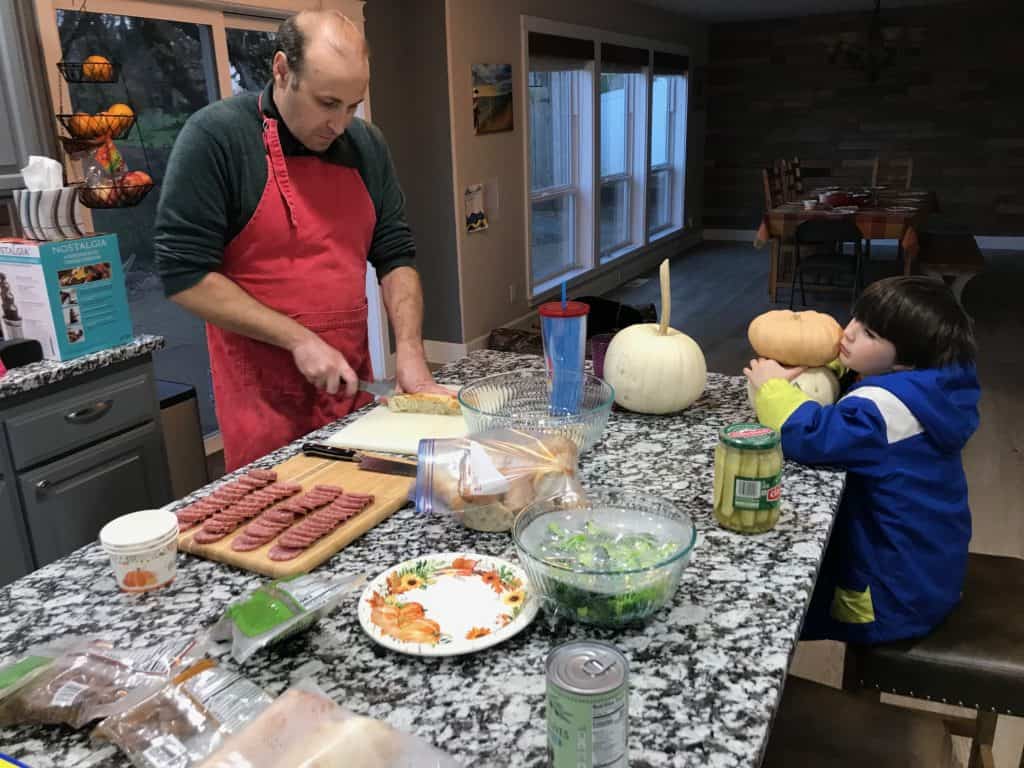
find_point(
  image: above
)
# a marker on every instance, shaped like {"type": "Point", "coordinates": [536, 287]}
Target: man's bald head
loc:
{"type": "Point", "coordinates": [326, 32]}
{"type": "Point", "coordinates": [321, 73]}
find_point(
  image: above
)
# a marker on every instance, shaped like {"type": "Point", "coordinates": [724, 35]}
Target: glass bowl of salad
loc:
{"type": "Point", "coordinates": [609, 557]}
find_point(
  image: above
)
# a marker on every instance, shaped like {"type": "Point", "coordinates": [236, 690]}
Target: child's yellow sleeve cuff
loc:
{"type": "Point", "coordinates": [775, 402]}
{"type": "Point", "coordinates": [837, 368]}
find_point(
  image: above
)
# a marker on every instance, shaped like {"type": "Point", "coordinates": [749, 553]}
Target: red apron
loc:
{"type": "Point", "coordinates": [303, 253]}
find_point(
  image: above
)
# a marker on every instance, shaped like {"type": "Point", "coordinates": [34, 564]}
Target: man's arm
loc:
{"type": "Point", "coordinates": [403, 299]}
{"type": "Point", "coordinates": [220, 301]}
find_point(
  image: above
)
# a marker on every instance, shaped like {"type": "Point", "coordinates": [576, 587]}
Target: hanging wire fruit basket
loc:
{"type": "Point", "coordinates": [123, 192]}
{"type": "Point", "coordinates": [82, 125]}
{"type": "Point", "coordinates": [75, 146]}
{"type": "Point", "coordinates": [100, 71]}
{"type": "Point", "coordinates": [108, 184]}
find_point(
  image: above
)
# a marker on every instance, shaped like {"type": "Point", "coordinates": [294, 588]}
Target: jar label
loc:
{"type": "Point", "coordinates": [757, 492]}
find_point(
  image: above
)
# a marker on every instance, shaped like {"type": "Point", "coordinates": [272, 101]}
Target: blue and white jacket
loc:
{"type": "Point", "coordinates": [895, 563]}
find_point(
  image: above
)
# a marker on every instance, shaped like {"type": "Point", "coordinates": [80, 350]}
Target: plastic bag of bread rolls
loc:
{"type": "Point", "coordinates": [304, 728]}
{"type": "Point", "coordinates": [485, 480]}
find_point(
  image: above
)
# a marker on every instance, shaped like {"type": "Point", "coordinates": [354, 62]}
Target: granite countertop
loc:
{"type": "Point", "coordinates": [28, 377]}
{"type": "Point", "coordinates": [705, 674]}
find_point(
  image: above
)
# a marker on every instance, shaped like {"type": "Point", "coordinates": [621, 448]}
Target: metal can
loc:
{"type": "Point", "coordinates": [587, 706]}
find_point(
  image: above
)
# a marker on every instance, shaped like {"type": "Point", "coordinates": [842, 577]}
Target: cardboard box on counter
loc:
{"type": "Point", "coordinates": [68, 295]}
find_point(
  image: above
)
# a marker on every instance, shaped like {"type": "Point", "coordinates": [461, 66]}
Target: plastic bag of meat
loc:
{"type": "Point", "coordinates": [484, 481]}
{"type": "Point", "coordinates": [77, 680]}
{"type": "Point", "coordinates": [305, 729]}
{"type": "Point", "coordinates": [186, 720]}
{"type": "Point", "coordinates": [280, 609]}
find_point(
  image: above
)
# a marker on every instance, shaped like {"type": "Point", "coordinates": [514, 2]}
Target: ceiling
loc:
{"type": "Point", "coordinates": [740, 10]}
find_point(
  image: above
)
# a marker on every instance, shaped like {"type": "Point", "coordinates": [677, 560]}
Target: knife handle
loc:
{"type": "Point", "coordinates": [324, 451]}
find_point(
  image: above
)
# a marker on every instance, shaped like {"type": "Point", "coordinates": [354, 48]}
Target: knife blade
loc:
{"type": "Point", "coordinates": [382, 388]}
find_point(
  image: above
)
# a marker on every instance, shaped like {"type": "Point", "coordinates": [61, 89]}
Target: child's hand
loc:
{"type": "Point", "coordinates": [763, 369]}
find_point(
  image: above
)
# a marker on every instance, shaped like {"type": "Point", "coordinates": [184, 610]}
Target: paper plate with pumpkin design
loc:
{"type": "Point", "coordinates": [447, 604]}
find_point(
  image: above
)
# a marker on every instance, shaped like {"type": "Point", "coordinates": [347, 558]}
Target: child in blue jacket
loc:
{"type": "Point", "coordinates": [895, 563]}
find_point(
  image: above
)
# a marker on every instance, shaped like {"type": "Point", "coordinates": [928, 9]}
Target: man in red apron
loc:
{"type": "Point", "coordinates": [271, 205]}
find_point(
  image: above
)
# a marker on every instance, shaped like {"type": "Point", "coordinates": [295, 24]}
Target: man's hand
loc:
{"type": "Point", "coordinates": [324, 367]}
{"type": "Point", "coordinates": [414, 376]}
{"type": "Point", "coordinates": [763, 369]}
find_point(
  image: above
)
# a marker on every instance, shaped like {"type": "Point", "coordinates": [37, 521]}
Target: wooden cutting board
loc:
{"type": "Point", "coordinates": [391, 493]}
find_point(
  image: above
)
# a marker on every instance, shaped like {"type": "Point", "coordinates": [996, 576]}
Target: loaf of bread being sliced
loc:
{"type": "Point", "coordinates": [443, 405]}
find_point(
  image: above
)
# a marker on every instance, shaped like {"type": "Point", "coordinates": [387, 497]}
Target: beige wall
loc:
{"type": "Point", "coordinates": [488, 31]}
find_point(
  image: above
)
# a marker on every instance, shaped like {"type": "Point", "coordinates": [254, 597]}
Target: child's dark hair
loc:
{"type": "Point", "coordinates": [922, 319]}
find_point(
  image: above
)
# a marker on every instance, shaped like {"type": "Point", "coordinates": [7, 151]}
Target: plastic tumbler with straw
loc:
{"type": "Point", "coordinates": [563, 327]}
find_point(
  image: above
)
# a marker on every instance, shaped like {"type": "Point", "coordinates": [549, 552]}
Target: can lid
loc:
{"type": "Point", "coordinates": [138, 528]}
{"type": "Point", "coordinates": [587, 667]}
{"type": "Point", "coordinates": [749, 435]}
{"type": "Point", "coordinates": [571, 309]}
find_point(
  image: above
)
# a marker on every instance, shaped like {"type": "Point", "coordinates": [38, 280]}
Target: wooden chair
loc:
{"type": "Point", "coordinates": [792, 181]}
{"type": "Point", "coordinates": [774, 196]}
{"type": "Point", "coordinates": [974, 659]}
{"type": "Point", "coordinates": [774, 193]}
{"type": "Point", "coordinates": [892, 173]}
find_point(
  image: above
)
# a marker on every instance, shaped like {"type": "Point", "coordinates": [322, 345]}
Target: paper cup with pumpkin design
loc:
{"type": "Point", "coordinates": [143, 549]}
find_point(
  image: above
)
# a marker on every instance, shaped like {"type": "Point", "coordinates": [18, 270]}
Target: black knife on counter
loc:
{"type": "Point", "coordinates": [369, 462]}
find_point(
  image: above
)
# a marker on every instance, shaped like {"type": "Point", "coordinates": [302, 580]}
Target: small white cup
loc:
{"type": "Point", "coordinates": [143, 549]}
{"type": "Point", "coordinates": [810, 205]}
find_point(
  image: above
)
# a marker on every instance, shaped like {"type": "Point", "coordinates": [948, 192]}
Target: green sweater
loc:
{"type": "Point", "coordinates": [216, 174]}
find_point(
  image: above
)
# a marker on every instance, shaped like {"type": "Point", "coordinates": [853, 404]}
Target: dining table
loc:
{"type": "Point", "coordinates": [706, 672]}
{"type": "Point", "coordinates": [893, 215]}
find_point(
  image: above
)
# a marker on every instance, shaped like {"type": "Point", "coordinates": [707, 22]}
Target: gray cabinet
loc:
{"type": "Point", "coordinates": [67, 502]}
{"type": "Point", "coordinates": [15, 550]}
{"type": "Point", "coordinates": [26, 121]}
{"type": "Point", "coordinates": [75, 455]}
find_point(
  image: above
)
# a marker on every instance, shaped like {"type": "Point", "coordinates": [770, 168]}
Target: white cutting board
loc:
{"type": "Point", "coordinates": [385, 431]}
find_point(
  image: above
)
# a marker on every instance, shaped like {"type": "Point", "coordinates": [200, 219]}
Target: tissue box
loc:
{"type": "Point", "coordinates": [70, 295]}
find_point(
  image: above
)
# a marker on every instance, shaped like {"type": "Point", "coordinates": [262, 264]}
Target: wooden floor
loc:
{"type": "Point", "coordinates": [718, 288]}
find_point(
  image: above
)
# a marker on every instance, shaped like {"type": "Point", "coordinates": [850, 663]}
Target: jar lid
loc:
{"type": "Point", "coordinates": [138, 528]}
{"type": "Point", "coordinates": [749, 436]}
{"type": "Point", "coordinates": [570, 309]}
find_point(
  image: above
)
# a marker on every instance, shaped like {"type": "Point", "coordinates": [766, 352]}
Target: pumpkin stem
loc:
{"type": "Point", "coordinates": [666, 298]}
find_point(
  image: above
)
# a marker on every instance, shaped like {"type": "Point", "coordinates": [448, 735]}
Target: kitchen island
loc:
{"type": "Point", "coordinates": [706, 672]}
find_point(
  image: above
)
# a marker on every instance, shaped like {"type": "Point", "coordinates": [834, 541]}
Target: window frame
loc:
{"type": "Point", "coordinates": [579, 188]}
{"type": "Point", "coordinates": [675, 166]}
{"type": "Point", "coordinates": [637, 158]}
{"type": "Point", "coordinates": [590, 256]}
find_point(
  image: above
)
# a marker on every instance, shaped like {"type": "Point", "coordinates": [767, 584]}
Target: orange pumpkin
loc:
{"type": "Point", "coordinates": [796, 338]}
{"type": "Point", "coordinates": [139, 579]}
{"type": "Point", "coordinates": [98, 69]}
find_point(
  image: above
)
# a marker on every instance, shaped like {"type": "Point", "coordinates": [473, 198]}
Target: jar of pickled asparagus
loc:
{"type": "Point", "coordinates": [748, 478]}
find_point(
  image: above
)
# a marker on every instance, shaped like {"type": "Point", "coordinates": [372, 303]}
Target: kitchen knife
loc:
{"type": "Point", "coordinates": [382, 388]}
{"type": "Point", "coordinates": [369, 462]}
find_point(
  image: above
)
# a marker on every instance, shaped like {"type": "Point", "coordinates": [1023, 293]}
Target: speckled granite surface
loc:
{"type": "Point", "coordinates": [705, 673]}
{"type": "Point", "coordinates": [29, 377]}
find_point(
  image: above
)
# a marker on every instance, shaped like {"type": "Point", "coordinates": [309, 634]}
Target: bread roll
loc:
{"type": "Point", "coordinates": [441, 405]}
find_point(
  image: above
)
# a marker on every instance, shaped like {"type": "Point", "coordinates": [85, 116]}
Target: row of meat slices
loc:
{"type": "Point", "coordinates": [275, 510]}
{"type": "Point", "coordinates": [225, 496]}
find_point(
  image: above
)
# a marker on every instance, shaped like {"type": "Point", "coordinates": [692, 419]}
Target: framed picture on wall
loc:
{"type": "Point", "coordinates": [492, 98]}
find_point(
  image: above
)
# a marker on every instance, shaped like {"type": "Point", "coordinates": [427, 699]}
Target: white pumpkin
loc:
{"type": "Point", "coordinates": [654, 368]}
{"type": "Point", "coordinates": [820, 384]}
